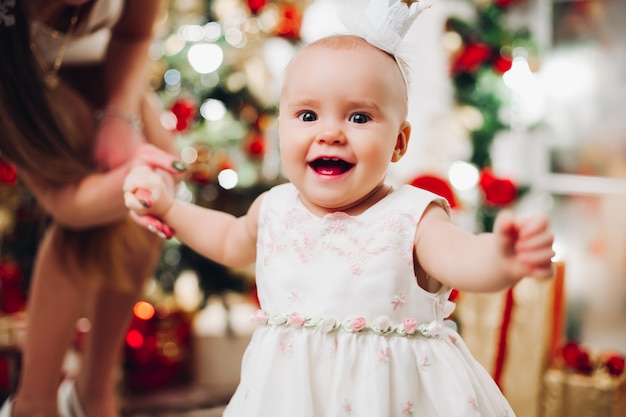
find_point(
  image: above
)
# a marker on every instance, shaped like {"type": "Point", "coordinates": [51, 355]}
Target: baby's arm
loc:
{"type": "Point", "coordinates": [216, 235]}
{"type": "Point", "coordinates": [486, 262]}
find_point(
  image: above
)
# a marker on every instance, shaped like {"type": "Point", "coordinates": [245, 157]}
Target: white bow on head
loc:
{"type": "Point", "coordinates": [384, 24]}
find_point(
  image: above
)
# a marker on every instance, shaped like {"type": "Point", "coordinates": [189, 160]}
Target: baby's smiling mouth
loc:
{"type": "Point", "coordinates": [330, 166]}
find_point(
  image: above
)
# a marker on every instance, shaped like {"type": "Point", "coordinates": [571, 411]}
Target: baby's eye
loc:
{"type": "Point", "coordinates": [360, 118]}
{"type": "Point", "coordinates": [307, 116]}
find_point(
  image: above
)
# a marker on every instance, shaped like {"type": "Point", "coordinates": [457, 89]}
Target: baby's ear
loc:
{"type": "Point", "coordinates": [402, 142]}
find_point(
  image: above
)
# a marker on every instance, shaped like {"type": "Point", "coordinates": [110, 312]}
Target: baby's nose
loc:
{"type": "Point", "coordinates": [331, 136]}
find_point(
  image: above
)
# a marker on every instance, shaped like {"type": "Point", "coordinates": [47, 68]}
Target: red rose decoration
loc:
{"type": "Point", "coordinates": [226, 163]}
{"type": "Point", "coordinates": [471, 58]}
{"type": "Point", "coordinates": [614, 365]}
{"type": "Point", "coordinates": [8, 174]}
{"type": "Point", "coordinates": [157, 352]}
{"type": "Point", "coordinates": [12, 295]}
{"type": "Point", "coordinates": [577, 358]}
{"type": "Point", "coordinates": [497, 191]}
{"type": "Point", "coordinates": [436, 185]}
{"type": "Point", "coordinates": [504, 4]}
{"type": "Point", "coordinates": [502, 64]}
{"type": "Point", "coordinates": [185, 111]}
{"type": "Point", "coordinates": [202, 175]}
{"type": "Point", "coordinates": [256, 5]}
{"type": "Point", "coordinates": [290, 22]}
{"type": "Point", "coordinates": [256, 146]}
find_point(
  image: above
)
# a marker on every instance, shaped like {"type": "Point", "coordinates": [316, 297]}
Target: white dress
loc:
{"type": "Point", "coordinates": [345, 330]}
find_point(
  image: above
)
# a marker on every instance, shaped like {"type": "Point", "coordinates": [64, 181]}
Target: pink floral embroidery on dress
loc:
{"type": "Point", "coordinates": [337, 226]}
{"type": "Point", "coordinates": [424, 362]}
{"type": "Point", "coordinates": [394, 224]}
{"type": "Point", "coordinates": [381, 325]}
{"type": "Point", "coordinates": [260, 317]}
{"type": "Point", "coordinates": [296, 319]}
{"type": "Point", "coordinates": [360, 255]}
{"type": "Point", "coordinates": [270, 242]}
{"type": "Point", "coordinates": [398, 301]}
{"type": "Point", "coordinates": [473, 402]}
{"type": "Point", "coordinates": [347, 407]}
{"type": "Point", "coordinates": [409, 326]}
{"type": "Point", "coordinates": [286, 346]}
{"type": "Point", "coordinates": [292, 219]}
{"type": "Point", "coordinates": [294, 297]}
{"type": "Point", "coordinates": [408, 409]}
{"type": "Point", "coordinates": [303, 251]}
{"type": "Point", "coordinates": [402, 224]}
{"type": "Point", "coordinates": [358, 324]}
{"type": "Point", "coordinates": [384, 355]}
{"type": "Point", "coordinates": [357, 269]}
{"type": "Point", "coordinates": [297, 239]}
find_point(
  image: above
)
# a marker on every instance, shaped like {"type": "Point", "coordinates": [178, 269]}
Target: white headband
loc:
{"type": "Point", "coordinates": [384, 23]}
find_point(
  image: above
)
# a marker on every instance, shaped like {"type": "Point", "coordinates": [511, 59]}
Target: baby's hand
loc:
{"type": "Point", "coordinates": [149, 188]}
{"type": "Point", "coordinates": [146, 191]}
{"type": "Point", "coordinates": [149, 195]}
{"type": "Point", "coordinates": [526, 245]}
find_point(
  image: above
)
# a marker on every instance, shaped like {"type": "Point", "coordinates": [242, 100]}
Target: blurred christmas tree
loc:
{"type": "Point", "coordinates": [20, 226]}
{"type": "Point", "coordinates": [217, 71]}
{"type": "Point", "coordinates": [485, 49]}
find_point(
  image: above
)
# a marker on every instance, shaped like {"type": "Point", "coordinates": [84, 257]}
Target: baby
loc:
{"type": "Point", "coordinates": [353, 275]}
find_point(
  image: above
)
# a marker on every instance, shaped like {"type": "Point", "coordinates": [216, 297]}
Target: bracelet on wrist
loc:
{"type": "Point", "coordinates": [132, 120]}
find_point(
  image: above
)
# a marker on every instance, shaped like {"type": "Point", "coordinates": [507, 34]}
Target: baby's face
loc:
{"type": "Point", "coordinates": [342, 121]}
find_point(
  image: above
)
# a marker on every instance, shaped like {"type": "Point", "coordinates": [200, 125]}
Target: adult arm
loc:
{"type": "Point", "coordinates": [97, 198]}
{"type": "Point", "coordinates": [126, 68]}
{"type": "Point", "coordinates": [127, 58]}
{"type": "Point", "coordinates": [92, 201]}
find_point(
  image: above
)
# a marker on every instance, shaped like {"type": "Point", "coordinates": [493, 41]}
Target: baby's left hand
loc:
{"type": "Point", "coordinates": [149, 186]}
{"type": "Point", "coordinates": [526, 245]}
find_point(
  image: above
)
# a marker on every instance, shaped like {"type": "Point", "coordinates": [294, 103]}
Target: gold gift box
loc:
{"type": "Point", "coordinates": [568, 394]}
{"type": "Point", "coordinates": [518, 357]}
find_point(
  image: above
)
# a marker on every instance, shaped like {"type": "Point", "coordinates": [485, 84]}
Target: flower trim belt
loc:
{"type": "Point", "coordinates": [382, 325]}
